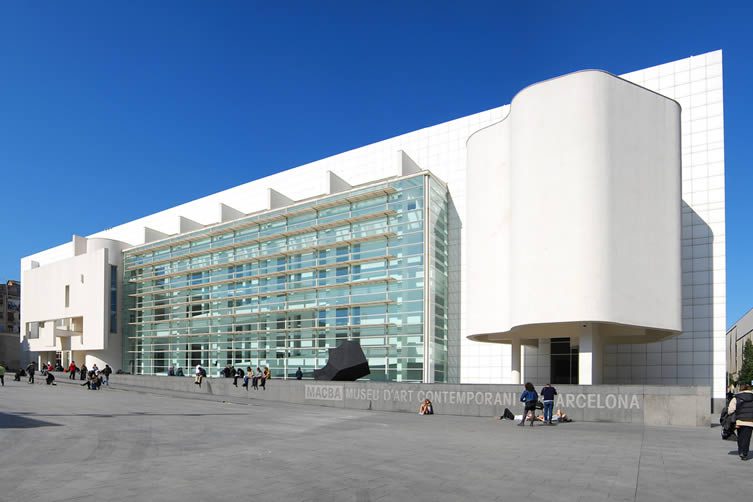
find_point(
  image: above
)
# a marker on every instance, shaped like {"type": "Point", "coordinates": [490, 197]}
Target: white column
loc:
{"type": "Point", "coordinates": [515, 362]}
{"type": "Point", "coordinates": [589, 355]}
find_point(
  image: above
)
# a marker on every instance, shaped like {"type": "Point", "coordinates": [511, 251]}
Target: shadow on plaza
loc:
{"type": "Point", "coordinates": [8, 421]}
{"type": "Point", "coordinates": [131, 414]}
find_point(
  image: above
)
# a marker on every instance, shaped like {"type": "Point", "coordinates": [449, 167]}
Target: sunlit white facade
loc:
{"type": "Point", "coordinates": [644, 254]}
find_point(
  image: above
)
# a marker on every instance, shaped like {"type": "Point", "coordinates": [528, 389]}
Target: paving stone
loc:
{"type": "Point", "coordinates": [66, 443]}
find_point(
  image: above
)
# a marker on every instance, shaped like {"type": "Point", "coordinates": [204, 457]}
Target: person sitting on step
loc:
{"type": "Point", "coordinates": [426, 408]}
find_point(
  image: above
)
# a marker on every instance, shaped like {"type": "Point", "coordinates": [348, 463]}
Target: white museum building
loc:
{"type": "Point", "coordinates": [576, 235]}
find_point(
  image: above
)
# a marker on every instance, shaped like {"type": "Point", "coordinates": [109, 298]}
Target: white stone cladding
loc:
{"type": "Point", "coordinates": [697, 356]}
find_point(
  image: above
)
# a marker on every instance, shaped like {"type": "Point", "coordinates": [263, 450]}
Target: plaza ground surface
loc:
{"type": "Point", "coordinates": [67, 443]}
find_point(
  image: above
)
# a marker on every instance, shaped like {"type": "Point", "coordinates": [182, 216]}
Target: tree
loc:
{"type": "Point", "coordinates": [745, 375]}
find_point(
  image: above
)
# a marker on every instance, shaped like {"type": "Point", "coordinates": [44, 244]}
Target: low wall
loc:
{"type": "Point", "coordinates": [638, 404]}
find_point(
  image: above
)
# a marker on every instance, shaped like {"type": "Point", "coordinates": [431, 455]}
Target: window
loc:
{"type": "Point", "coordinates": [341, 317]}
{"type": "Point", "coordinates": [341, 275]}
{"type": "Point", "coordinates": [67, 296]}
{"type": "Point", "coordinates": [322, 321]}
{"type": "Point", "coordinates": [296, 339]}
{"type": "Point", "coordinates": [160, 312]}
{"type": "Point", "coordinates": [341, 253]}
{"type": "Point", "coordinates": [195, 309]}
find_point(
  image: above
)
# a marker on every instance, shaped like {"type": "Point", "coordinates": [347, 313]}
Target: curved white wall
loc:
{"type": "Point", "coordinates": [579, 193]}
{"type": "Point", "coordinates": [488, 229]}
{"type": "Point", "coordinates": [114, 248]}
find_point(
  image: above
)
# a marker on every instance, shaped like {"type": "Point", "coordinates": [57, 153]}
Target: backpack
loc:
{"type": "Point", "coordinates": [202, 372]}
{"type": "Point", "coordinates": [727, 422]}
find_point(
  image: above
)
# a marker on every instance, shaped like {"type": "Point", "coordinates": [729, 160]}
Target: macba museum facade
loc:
{"type": "Point", "coordinates": [575, 235]}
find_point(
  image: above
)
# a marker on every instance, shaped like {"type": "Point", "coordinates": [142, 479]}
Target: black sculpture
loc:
{"type": "Point", "coordinates": [346, 363]}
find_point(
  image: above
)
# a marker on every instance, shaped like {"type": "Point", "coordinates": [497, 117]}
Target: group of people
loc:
{"type": "Point", "coordinates": [46, 370]}
{"type": "Point", "coordinates": [95, 378]}
{"type": "Point", "coordinates": [558, 416]}
{"type": "Point", "coordinates": [256, 378]}
{"type": "Point", "coordinates": [173, 371]}
{"type": "Point", "coordinates": [530, 400]}
{"type": "Point", "coordinates": [89, 375]}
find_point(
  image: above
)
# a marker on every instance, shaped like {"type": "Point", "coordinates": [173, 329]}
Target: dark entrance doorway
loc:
{"type": "Point", "coordinates": [564, 362]}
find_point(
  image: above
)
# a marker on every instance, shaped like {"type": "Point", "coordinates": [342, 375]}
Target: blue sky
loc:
{"type": "Point", "coordinates": [110, 111]}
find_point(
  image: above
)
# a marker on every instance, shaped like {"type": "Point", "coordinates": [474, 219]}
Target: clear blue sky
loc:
{"type": "Point", "coordinates": [110, 111]}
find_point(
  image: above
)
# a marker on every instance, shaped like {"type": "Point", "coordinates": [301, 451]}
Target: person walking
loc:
{"type": "Point", "coordinates": [72, 370]}
{"type": "Point", "coordinates": [30, 371]}
{"type": "Point", "coordinates": [2, 374]}
{"type": "Point", "coordinates": [529, 398]}
{"type": "Point", "coordinates": [547, 397]}
{"type": "Point", "coordinates": [107, 372]}
{"type": "Point", "coordinates": [299, 374]}
{"type": "Point", "coordinates": [742, 406]}
{"type": "Point", "coordinates": [84, 372]}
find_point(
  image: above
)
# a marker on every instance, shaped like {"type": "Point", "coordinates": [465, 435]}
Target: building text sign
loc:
{"type": "Point", "coordinates": [325, 392]}
{"type": "Point", "coordinates": [609, 401]}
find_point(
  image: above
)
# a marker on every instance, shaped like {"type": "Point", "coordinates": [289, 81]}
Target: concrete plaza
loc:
{"type": "Point", "coordinates": [66, 443]}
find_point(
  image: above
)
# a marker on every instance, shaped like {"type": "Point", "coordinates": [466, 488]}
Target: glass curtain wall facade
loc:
{"type": "Point", "coordinates": [280, 288]}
